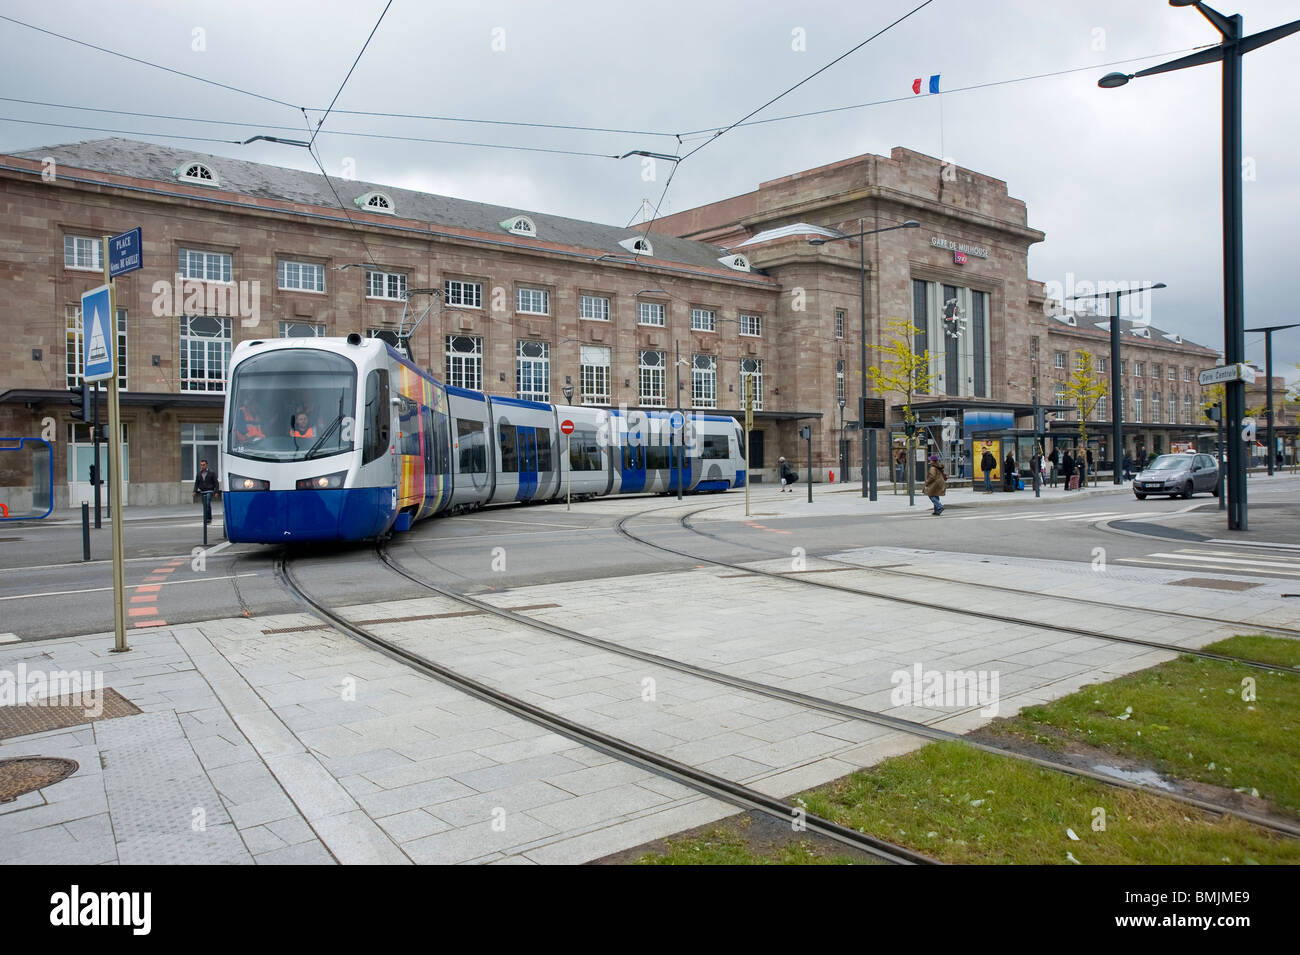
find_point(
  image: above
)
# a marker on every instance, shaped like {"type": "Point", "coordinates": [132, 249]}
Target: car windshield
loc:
{"type": "Point", "coordinates": [291, 404]}
{"type": "Point", "coordinates": [1170, 462]}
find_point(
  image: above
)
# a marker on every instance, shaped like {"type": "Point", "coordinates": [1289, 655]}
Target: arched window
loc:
{"type": "Point", "coordinates": [519, 225]}
{"type": "Point", "coordinates": [738, 262]}
{"type": "Point", "coordinates": [376, 202]}
{"type": "Point", "coordinates": [638, 244]}
{"type": "Point", "coordinates": [196, 171]}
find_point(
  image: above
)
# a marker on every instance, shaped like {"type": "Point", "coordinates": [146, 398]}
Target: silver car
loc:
{"type": "Point", "coordinates": [1178, 475]}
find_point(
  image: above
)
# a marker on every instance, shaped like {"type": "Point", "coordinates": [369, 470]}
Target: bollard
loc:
{"type": "Point", "coordinates": [85, 530]}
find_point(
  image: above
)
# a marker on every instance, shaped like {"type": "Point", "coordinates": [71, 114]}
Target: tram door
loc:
{"type": "Point", "coordinates": [633, 466]}
{"type": "Point", "coordinates": [527, 464]}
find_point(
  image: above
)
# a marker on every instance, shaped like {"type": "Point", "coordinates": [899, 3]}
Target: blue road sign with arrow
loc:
{"type": "Point", "coordinates": [97, 334]}
{"type": "Point", "coordinates": [676, 420]}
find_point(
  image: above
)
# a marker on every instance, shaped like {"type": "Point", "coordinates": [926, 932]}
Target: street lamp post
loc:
{"type": "Point", "coordinates": [1229, 53]}
{"type": "Point", "coordinates": [843, 443]}
{"type": "Point", "coordinates": [1116, 386]}
{"type": "Point", "coordinates": [868, 486]}
{"type": "Point", "coordinates": [1268, 383]}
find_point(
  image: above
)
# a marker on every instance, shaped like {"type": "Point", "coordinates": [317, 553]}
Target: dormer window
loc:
{"type": "Point", "coordinates": [198, 172]}
{"type": "Point", "coordinates": [737, 262]}
{"type": "Point", "coordinates": [519, 225]}
{"type": "Point", "coordinates": [376, 202]}
{"type": "Point", "coordinates": [638, 244]}
{"type": "Point", "coordinates": [1142, 332]}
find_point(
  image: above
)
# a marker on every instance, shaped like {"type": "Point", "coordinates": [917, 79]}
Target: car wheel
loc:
{"type": "Point", "coordinates": [1187, 490]}
{"type": "Point", "coordinates": [1140, 497]}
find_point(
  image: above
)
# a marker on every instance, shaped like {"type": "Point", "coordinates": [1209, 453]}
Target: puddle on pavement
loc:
{"type": "Point", "coordinates": [1144, 777]}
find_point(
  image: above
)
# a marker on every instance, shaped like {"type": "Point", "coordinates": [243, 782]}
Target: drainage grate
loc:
{"type": "Point", "coordinates": [27, 774]}
{"type": "Point", "coordinates": [63, 711]}
{"type": "Point", "coordinates": [1211, 584]}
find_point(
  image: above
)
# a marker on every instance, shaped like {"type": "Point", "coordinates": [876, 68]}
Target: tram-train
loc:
{"type": "Point", "coordinates": [346, 439]}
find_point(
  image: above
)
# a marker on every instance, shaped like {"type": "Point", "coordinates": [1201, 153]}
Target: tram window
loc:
{"type": "Point", "coordinates": [633, 457]}
{"type": "Point", "coordinates": [409, 426]}
{"type": "Point", "coordinates": [426, 425]}
{"type": "Point", "coordinates": [715, 446]}
{"type": "Point", "coordinates": [473, 446]}
{"type": "Point", "coordinates": [656, 458]}
{"type": "Point", "coordinates": [740, 444]}
{"type": "Point", "coordinates": [377, 417]}
{"type": "Point", "coordinates": [509, 449]}
{"type": "Point", "coordinates": [584, 452]}
{"type": "Point", "coordinates": [544, 450]}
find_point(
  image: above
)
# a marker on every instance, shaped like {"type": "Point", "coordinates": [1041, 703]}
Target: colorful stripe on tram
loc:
{"type": "Point", "coordinates": [417, 486]}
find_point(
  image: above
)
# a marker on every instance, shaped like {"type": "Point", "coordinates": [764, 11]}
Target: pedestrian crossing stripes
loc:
{"type": "Point", "coordinates": [1224, 561]}
{"type": "Point", "coordinates": [1089, 516]}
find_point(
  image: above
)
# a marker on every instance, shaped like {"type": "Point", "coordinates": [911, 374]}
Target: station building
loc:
{"type": "Point", "coordinates": [519, 302]}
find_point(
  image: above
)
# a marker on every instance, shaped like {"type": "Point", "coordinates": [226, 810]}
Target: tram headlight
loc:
{"type": "Point", "coordinates": [325, 482]}
{"type": "Point", "coordinates": [238, 482]}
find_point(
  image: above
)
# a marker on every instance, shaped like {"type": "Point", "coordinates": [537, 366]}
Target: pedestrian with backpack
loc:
{"type": "Point", "coordinates": [988, 464]}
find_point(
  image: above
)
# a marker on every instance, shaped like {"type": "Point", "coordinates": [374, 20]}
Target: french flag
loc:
{"type": "Point", "coordinates": [934, 84]}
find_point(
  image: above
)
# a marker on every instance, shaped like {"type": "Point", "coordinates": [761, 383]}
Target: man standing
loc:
{"type": "Point", "coordinates": [936, 484]}
{"type": "Point", "coordinates": [988, 464]}
{"type": "Point", "coordinates": [205, 484]}
{"type": "Point", "coordinates": [1054, 460]}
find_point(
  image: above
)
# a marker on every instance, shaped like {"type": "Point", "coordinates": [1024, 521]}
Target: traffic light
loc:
{"type": "Point", "coordinates": [81, 410]}
{"type": "Point", "coordinates": [909, 428]}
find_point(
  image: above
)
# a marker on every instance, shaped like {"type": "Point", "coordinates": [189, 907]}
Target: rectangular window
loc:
{"type": "Point", "coordinates": [1173, 408]}
{"type": "Point", "coordinates": [751, 325]}
{"type": "Point", "coordinates": [649, 313]}
{"type": "Point", "coordinates": [920, 316]}
{"type": "Point", "coordinates": [1058, 361]}
{"type": "Point", "coordinates": [979, 310]}
{"type": "Point", "coordinates": [533, 370]}
{"type": "Point", "coordinates": [651, 377]}
{"type": "Point", "coordinates": [752, 368]}
{"type": "Point", "coordinates": [1137, 405]}
{"type": "Point", "coordinates": [704, 381]}
{"type": "Point", "coordinates": [300, 276]}
{"type": "Point", "coordinates": [839, 323]}
{"type": "Point", "coordinates": [1101, 409]}
{"type": "Point", "coordinates": [594, 372]}
{"type": "Point", "coordinates": [1081, 362]}
{"type": "Point", "coordinates": [594, 308]}
{"type": "Point", "coordinates": [1139, 369]}
{"type": "Point", "coordinates": [1123, 366]}
{"type": "Point", "coordinates": [199, 442]}
{"type": "Point", "coordinates": [715, 447]}
{"type": "Point", "coordinates": [532, 301]}
{"type": "Point", "coordinates": [839, 380]}
{"type": "Point", "coordinates": [584, 451]}
{"type": "Point", "coordinates": [1102, 365]}
{"type": "Point", "coordinates": [465, 362]}
{"type": "Point", "coordinates": [1155, 407]}
{"type": "Point", "coordinates": [1059, 395]}
{"type": "Point", "coordinates": [1187, 374]}
{"type": "Point", "coordinates": [1155, 370]}
{"type": "Point", "coordinates": [1187, 409]}
{"type": "Point", "coordinates": [471, 450]}
{"type": "Point", "coordinates": [507, 440]}
{"type": "Point", "coordinates": [302, 330]}
{"type": "Point", "coordinates": [74, 354]}
{"type": "Point", "coordinates": [467, 294]}
{"type": "Point", "coordinates": [1173, 372]}
{"type": "Point", "coordinates": [205, 352]}
{"type": "Point", "coordinates": [204, 266]}
{"type": "Point", "coordinates": [704, 320]}
{"type": "Point", "coordinates": [82, 253]}
{"type": "Point", "coordinates": [390, 285]}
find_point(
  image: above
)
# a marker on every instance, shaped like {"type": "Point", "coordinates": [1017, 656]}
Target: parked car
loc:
{"type": "Point", "coordinates": [1178, 475]}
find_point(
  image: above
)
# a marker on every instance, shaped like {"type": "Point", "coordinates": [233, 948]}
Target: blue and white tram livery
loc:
{"type": "Point", "coordinates": [346, 439]}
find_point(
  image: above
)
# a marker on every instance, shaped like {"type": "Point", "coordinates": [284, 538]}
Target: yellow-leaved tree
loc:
{"type": "Point", "coordinates": [1084, 390]}
{"type": "Point", "coordinates": [903, 372]}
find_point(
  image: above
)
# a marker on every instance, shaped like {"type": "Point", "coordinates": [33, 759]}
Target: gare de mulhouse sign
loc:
{"type": "Point", "coordinates": [976, 250]}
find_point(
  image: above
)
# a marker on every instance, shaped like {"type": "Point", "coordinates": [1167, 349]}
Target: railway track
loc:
{"type": "Point", "coordinates": [898, 724]}
{"type": "Point", "coordinates": [950, 608]}
{"type": "Point", "coordinates": [737, 794]}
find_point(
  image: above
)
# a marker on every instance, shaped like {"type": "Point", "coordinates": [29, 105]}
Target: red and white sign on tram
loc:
{"type": "Point", "coordinates": [566, 426]}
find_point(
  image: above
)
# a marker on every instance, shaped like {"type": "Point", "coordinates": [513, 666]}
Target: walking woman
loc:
{"type": "Point", "coordinates": [936, 484]}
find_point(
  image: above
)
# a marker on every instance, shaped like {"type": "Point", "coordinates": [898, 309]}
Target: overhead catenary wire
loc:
{"type": "Point", "coordinates": [339, 92]}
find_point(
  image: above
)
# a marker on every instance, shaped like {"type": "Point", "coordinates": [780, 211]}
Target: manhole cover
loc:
{"type": "Point", "coordinates": [27, 774]}
{"type": "Point", "coordinates": [43, 715]}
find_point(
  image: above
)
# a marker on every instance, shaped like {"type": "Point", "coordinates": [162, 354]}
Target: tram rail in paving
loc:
{"type": "Point", "coordinates": [707, 783]}
{"type": "Point", "coordinates": [622, 528]}
{"type": "Point", "coordinates": [898, 724]}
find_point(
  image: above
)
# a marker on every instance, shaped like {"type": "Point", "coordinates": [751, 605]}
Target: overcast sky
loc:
{"type": "Point", "coordinates": [1125, 182]}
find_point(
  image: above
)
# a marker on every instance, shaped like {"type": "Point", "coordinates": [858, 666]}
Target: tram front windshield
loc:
{"type": "Point", "coordinates": [292, 404]}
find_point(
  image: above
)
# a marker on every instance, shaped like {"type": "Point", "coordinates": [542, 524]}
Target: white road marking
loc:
{"type": "Point", "coordinates": [95, 590]}
{"type": "Point", "coordinates": [8, 638]}
{"type": "Point", "coordinates": [1207, 565]}
{"type": "Point", "coordinates": [1295, 547]}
